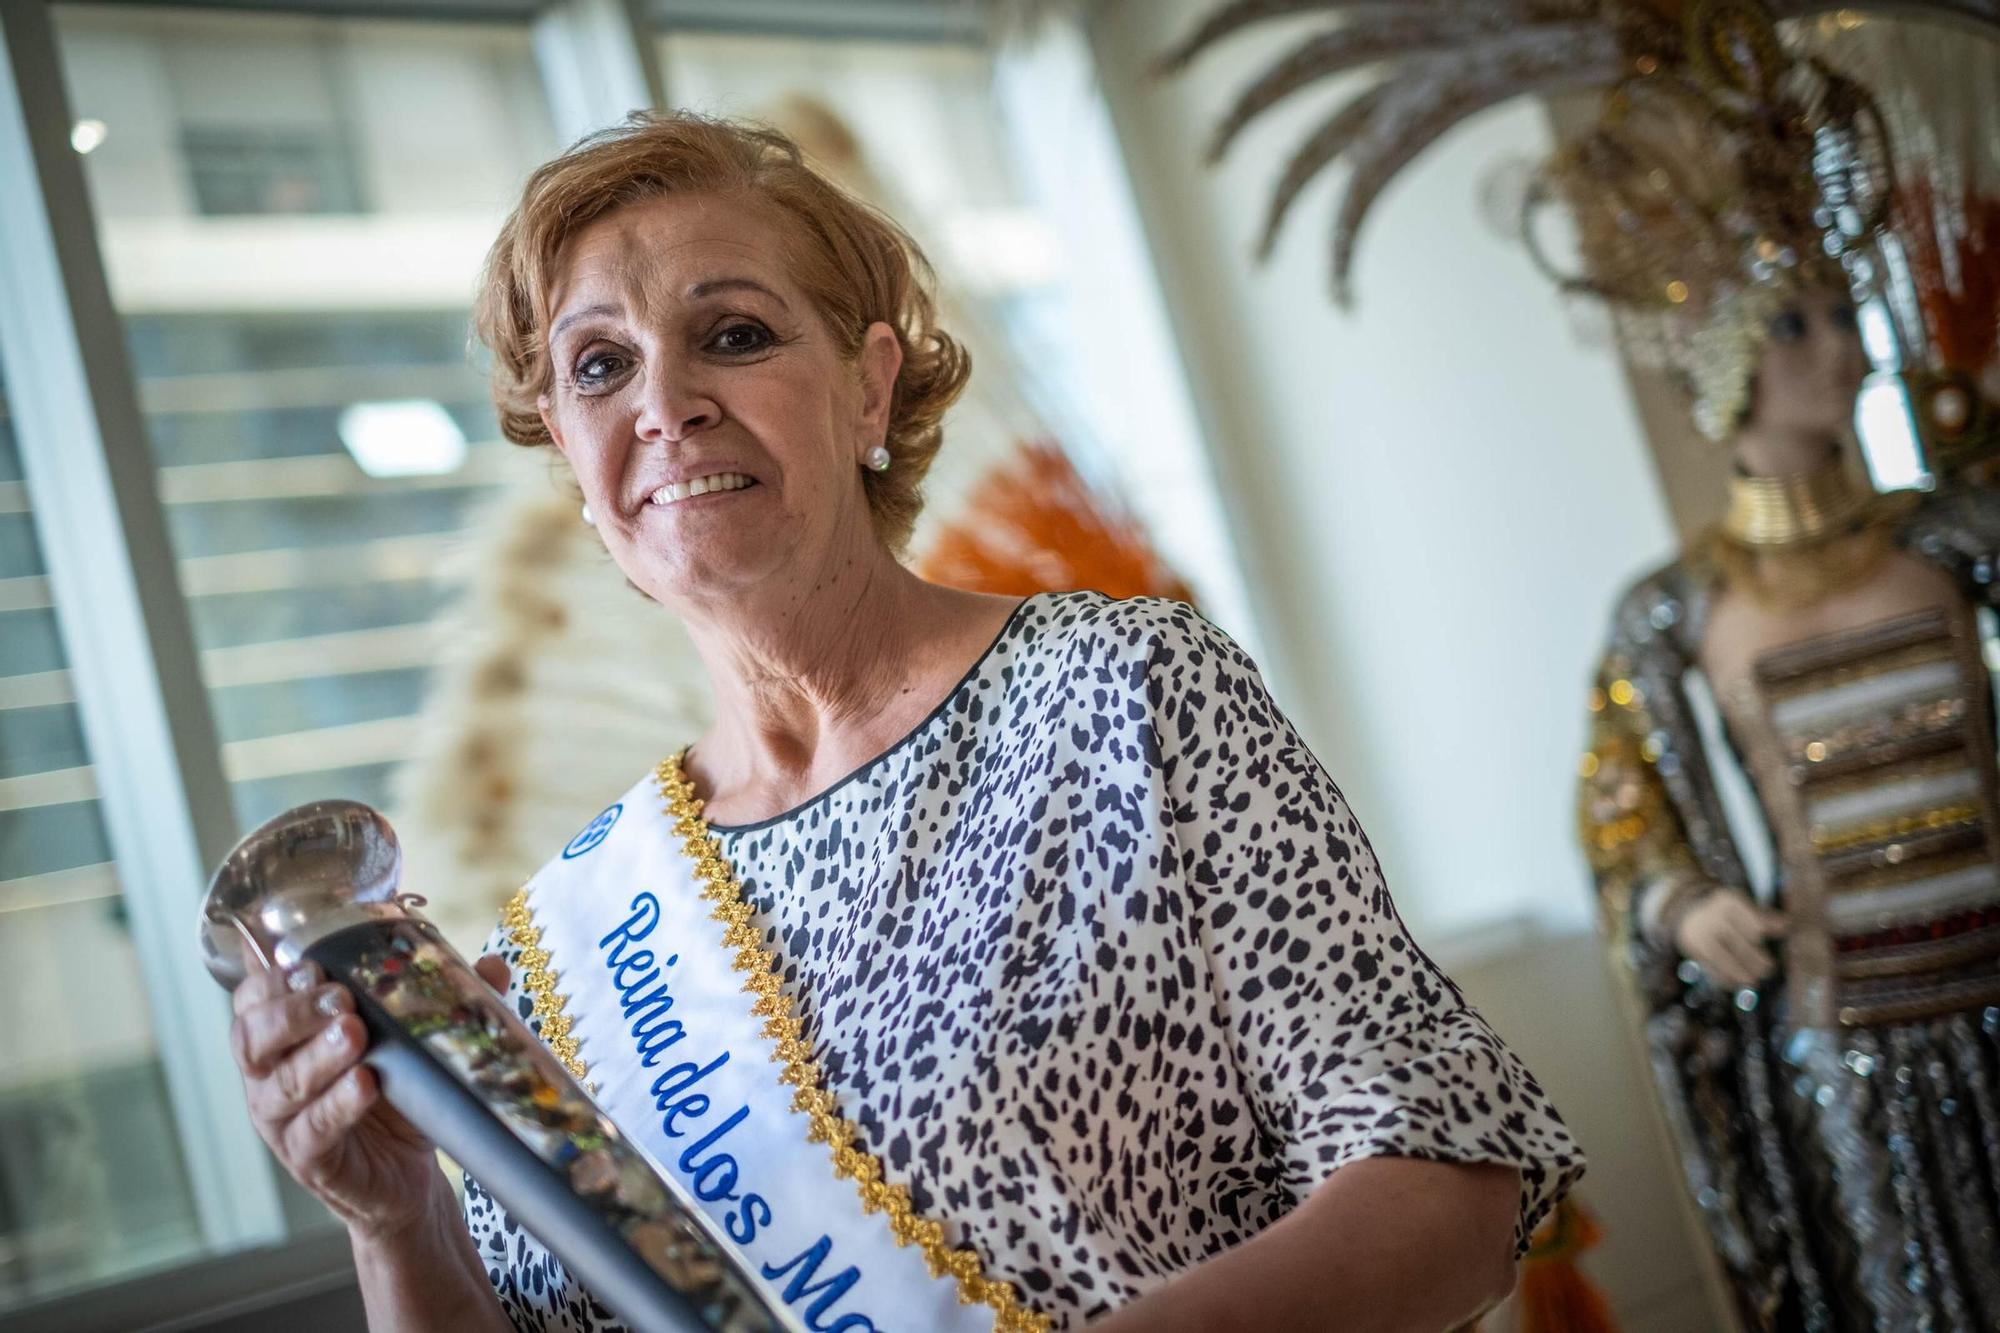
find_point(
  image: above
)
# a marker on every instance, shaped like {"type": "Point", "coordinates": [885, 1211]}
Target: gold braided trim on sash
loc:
{"type": "Point", "coordinates": [539, 982]}
{"type": "Point", "coordinates": [758, 966]}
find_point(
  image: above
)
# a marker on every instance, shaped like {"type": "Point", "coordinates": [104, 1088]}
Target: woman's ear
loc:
{"type": "Point", "coordinates": [881, 360]}
{"type": "Point", "coordinates": [549, 424]}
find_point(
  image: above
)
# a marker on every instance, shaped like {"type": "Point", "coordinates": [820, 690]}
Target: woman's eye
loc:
{"type": "Point", "coordinates": [1787, 326]}
{"type": "Point", "coordinates": [1842, 317]}
{"type": "Point", "coordinates": [739, 339]}
{"type": "Point", "coordinates": [595, 370]}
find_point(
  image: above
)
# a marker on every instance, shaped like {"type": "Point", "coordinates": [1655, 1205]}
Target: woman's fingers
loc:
{"type": "Point", "coordinates": [311, 1067]}
{"type": "Point", "coordinates": [266, 1033]}
{"type": "Point", "coordinates": [319, 1131]}
{"type": "Point", "coordinates": [260, 984]}
{"type": "Point", "coordinates": [261, 987]}
{"type": "Point", "coordinates": [492, 970]}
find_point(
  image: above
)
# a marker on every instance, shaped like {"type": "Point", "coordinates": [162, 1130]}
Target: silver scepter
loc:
{"type": "Point", "coordinates": [322, 883]}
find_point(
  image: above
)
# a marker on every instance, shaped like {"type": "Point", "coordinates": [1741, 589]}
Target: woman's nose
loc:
{"type": "Point", "coordinates": [670, 412]}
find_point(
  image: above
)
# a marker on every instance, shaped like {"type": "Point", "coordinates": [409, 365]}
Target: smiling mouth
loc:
{"type": "Point", "coordinates": [676, 491]}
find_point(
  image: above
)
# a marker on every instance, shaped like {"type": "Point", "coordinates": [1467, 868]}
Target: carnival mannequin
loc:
{"type": "Point", "coordinates": [1825, 1040]}
{"type": "Point", "coordinates": [1796, 428]}
{"type": "Point", "coordinates": [1788, 577]}
{"type": "Point", "coordinates": [1826, 1053]}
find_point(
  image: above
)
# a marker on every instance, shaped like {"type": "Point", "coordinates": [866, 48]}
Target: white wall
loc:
{"type": "Point", "coordinates": [1553, 1000]}
{"type": "Point", "coordinates": [1438, 494]}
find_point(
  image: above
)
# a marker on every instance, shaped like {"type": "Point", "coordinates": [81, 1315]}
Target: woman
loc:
{"type": "Point", "coordinates": [1082, 967]}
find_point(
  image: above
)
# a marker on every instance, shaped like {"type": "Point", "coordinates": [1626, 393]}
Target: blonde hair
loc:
{"type": "Point", "coordinates": [856, 266]}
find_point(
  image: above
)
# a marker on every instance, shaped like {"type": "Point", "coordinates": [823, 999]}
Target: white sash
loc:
{"type": "Point", "coordinates": [681, 1065]}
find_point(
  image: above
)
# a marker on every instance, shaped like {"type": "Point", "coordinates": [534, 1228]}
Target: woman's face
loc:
{"type": "Point", "coordinates": [1811, 367]}
{"type": "Point", "coordinates": [683, 356]}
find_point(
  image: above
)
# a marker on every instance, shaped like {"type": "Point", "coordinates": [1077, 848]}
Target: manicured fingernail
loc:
{"type": "Point", "coordinates": [332, 1001]}
{"type": "Point", "coordinates": [336, 1033]}
{"type": "Point", "coordinates": [302, 978]}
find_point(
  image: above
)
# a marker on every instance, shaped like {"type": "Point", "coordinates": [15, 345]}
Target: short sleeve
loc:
{"type": "Point", "coordinates": [1348, 1041]}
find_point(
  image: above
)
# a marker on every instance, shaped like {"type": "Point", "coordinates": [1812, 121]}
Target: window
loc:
{"type": "Point", "coordinates": [258, 169]}
{"type": "Point", "coordinates": [293, 213]}
{"type": "Point", "coordinates": [92, 1184]}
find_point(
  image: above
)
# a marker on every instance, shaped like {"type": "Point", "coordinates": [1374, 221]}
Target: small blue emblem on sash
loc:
{"type": "Point", "coordinates": [594, 833]}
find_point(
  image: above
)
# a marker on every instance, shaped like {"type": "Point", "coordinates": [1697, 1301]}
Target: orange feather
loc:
{"type": "Point", "coordinates": [1034, 525]}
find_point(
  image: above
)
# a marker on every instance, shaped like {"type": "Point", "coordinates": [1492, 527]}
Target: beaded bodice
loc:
{"type": "Point", "coordinates": [1873, 754]}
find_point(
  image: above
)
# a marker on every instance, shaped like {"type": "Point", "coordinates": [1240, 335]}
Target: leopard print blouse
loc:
{"type": "Point", "coordinates": [1105, 968]}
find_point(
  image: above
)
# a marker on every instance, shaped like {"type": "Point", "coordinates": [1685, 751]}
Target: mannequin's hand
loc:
{"type": "Point", "coordinates": [1725, 933]}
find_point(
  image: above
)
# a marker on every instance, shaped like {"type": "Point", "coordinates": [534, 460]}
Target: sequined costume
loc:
{"type": "Point", "coordinates": [1839, 1125]}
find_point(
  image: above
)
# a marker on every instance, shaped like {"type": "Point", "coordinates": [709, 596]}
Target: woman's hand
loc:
{"type": "Point", "coordinates": [299, 1044]}
{"type": "Point", "coordinates": [1725, 933]}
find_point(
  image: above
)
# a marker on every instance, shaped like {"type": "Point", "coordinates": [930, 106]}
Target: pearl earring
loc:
{"type": "Point", "coordinates": [876, 459]}
{"type": "Point", "coordinates": [586, 516]}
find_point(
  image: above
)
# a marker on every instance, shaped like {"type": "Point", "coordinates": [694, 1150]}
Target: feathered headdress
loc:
{"type": "Point", "coordinates": [1723, 169]}
{"type": "Point", "coordinates": [1710, 194]}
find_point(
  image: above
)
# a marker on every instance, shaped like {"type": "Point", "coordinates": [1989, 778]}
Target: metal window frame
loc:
{"type": "Point", "coordinates": [94, 494]}
{"type": "Point", "coordinates": [598, 64]}
{"type": "Point", "coordinates": [965, 21]}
